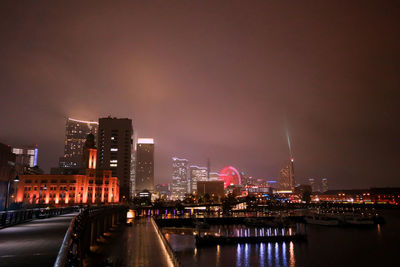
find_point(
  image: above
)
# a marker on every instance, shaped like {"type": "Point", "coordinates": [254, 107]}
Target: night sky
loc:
{"type": "Point", "coordinates": [224, 80]}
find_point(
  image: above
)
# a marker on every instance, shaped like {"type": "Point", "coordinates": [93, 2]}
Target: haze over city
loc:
{"type": "Point", "coordinates": [223, 81]}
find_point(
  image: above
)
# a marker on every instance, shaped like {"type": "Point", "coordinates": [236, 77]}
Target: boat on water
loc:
{"type": "Point", "coordinates": [320, 219]}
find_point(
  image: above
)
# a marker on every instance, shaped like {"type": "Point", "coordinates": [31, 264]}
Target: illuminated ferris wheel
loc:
{"type": "Point", "coordinates": [230, 175]}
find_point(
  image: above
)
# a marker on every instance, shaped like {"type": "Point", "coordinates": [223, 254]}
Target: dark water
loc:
{"type": "Point", "coordinates": [326, 246]}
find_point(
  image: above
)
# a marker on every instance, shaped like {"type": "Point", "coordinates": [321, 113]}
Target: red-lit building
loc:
{"type": "Point", "coordinates": [92, 186]}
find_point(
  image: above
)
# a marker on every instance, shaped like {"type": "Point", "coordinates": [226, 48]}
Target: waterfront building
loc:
{"type": "Point", "coordinates": [7, 174]}
{"type": "Point", "coordinates": [179, 186]}
{"type": "Point", "coordinates": [197, 174]}
{"type": "Point", "coordinates": [286, 179]}
{"type": "Point", "coordinates": [215, 189]}
{"type": "Point", "coordinates": [144, 165]}
{"type": "Point", "coordinates": [93, 186]}
{"type": "Point", "coordinates": [75, 136]}
{"type": "Point", "coordinates": [114, 150]}
{"type": "Point", "coordinates": [96, 186]}
{"type": "Point", "coordinates": [162, 191]}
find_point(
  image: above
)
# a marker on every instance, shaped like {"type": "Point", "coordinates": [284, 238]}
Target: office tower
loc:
{"type": "Point", "coordinates": [324, 185]}
{"type": "Point", "coordinates": [133, 172]}
{"type": "Point", "coordinates": [144, 165]}
{"type": "Point", "coordinates": [114, 151]}
{"type": "Point", "coordinates": [197, 174]}
{"type": "Point", "coordinates": [313, 185]}
{"type": "Point", "coordinates": [179, 178]}
{"type": "Point", "coordinates": [75, 137]}
{"type": "Point", "coordinates": [286, 179]}
{"type": "Point", "coordinates": [26, 156]}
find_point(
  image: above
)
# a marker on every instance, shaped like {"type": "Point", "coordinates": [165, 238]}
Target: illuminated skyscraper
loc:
{"type": "Point", "coordinates": [26, 156]}
{"type": "Point", "coordinates": [144, 165]}
{"type": "Point", "coordinates": [197, 174]}
{"type": "Point", "coordinates": [311, 182]}
{"type": "Point", "coordinates": [286, 179]}
{"type": "Point", "coordinates": [114, 151]}
{"type": "Point", "coordinates": [75, 137]}
{"type": "Point", "coordinates": [133, 172]}
{"type": "Point", "coordinates": [179, 186]}
{"type": "Point", "coordinates": [324, 185]}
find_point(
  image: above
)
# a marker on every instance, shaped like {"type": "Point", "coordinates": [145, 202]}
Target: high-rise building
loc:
{"type": "Point", "coordinates": [197, 174]}
{"type": "Point", "coordinates": [311, 182]}
{"type": "Point", "coordinates": [75, 137]}
{"type": "Point", "coordinates": [179, 185]}
{"type": "Point", "coordinates": [26, 156]}
{"type": "Point", "coordinates": [133, 172]}
{"type": "Point", "coordinates": [144, 165]}
{"type": "Point", "coordinates": [114, 151]}
{"type": "Point", "coordinates": [286, 179]}
{"type": "Point", "coordinates": [324, 185]}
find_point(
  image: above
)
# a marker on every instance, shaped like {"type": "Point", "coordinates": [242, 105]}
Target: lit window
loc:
{"type": "Point", "coordinates": [113, 165]}
{"type": "Point", "coordinates": [113, 161]}
{"type": "Point", "coordinates": [114, 149]}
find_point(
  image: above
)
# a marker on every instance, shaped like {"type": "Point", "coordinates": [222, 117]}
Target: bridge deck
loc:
{"type": "Point", "coordinates": [139, 245]}
{"type": "Point", "coordinates": [35, 243]}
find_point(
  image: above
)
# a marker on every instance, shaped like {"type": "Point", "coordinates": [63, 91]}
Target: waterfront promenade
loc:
{"type": "Point", "coordinates": [35, 243]}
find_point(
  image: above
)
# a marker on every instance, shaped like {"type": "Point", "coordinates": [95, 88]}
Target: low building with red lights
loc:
{"type": "Point", "coordinates": [94, 187]}
{"type": "Point", "coordinates": [87, 186]}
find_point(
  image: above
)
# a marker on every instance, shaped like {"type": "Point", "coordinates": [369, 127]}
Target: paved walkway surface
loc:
{"type": "Point", "coordinates": [34, 243]}
{"type": "Point", "coordinates": [137, 245]}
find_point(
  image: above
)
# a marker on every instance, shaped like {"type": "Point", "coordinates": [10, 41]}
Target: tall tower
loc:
{"type": "Point", "coordinates": [75, 137]}
{"type": "Point", "coordinates": [114, 151]}
{"type": "Point", "coordinates": [179, 178]}
{"type": "Point", "coordinates": [144, 165]}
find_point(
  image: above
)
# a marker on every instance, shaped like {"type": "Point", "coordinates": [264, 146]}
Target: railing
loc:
{"type": "Point", "coordinates": [168, 247]}
{"type": "Point", "coordinates": [84, 230]}
{"type": "Point", "coordinates": [12, 217]}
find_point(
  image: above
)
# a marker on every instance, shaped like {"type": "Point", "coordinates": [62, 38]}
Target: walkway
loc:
{"type": "Point", "coordinates": [34, 243]}
{"type": "Point", "coordinates": [138, 245]}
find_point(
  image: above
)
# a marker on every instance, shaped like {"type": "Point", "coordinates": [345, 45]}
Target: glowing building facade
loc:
{"type": "Point", "coordinates": [26, 156]}
{"type": "Point", "coordinates": [286, 179]}
{"type": "Point", "coordinates": [75, 137]}
{"type": "Point", "coordinates": [196, 175]}
{"type": "Point", "coordinates": [179, 186]}
{"type": "Point", "coordinates": [93, 187]}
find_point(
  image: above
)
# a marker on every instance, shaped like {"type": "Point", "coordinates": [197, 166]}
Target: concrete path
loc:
{"type": "Point", "coordinates": [34, 243]}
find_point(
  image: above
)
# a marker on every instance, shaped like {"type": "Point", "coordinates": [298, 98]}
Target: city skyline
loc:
{"type": "Point", "coordinates": [230, 99]}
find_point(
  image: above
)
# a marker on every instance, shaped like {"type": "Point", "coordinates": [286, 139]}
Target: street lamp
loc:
{"type": "Point", "coordinates": [16, 179]}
